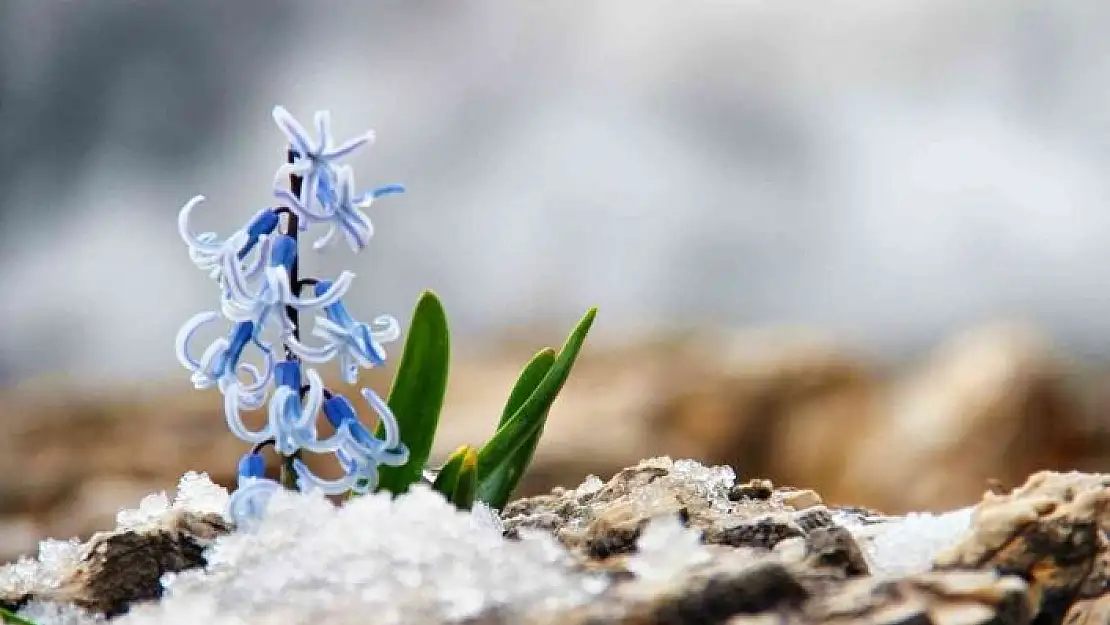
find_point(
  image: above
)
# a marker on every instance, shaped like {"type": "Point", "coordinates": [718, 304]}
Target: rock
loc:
{"type": "Point", "coordinates": [1050, 531]}
{"type": "Point", "coordinates": [598, 521]}
{"type": "Point", "coordinates": [993, 403]}
{"type": "Point", "coordinates": [122, 567]}
{"type": "Point", "coordinates": [801, 499]}
{"type": "Point", "coordinates": [673, 544]}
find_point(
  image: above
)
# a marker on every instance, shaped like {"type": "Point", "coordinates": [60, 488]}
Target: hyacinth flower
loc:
{"type": "Point", "coordinates": [355, 343]}
{"type": "Point", "coordinates": [220, 364]}
{"type": "Point", "coordinates": [347, 215]}
{"type": "Point", "coordinates": [359, 452]}
{"type": "Point", "coordinates": [256, 268]}
{"type": "Point", "coordinates": [275, 294]}
{"type": "Point", "coordinates": [315, 164]}
{"type": "Point", "coordinates": [254, 489]}
{"type": "Point", "coordinates": [224, 260]}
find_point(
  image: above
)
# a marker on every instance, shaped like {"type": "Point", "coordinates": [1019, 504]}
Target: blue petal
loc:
{"type": "Point", "coordinates": [252, 465]}
{"type": "Point", "coordinates": [389, 189]}
{"type": "Point", "coordinates": [284, 252]}
{"type": "Point", "coordinates": [288, 373]}
{"type": "Point", "coordinates": [338, 409]}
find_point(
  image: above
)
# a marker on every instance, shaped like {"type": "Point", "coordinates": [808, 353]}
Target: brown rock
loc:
{"type": "Point", "coordinates": [605, 520]}
{"type": "Point", "coordinates": [120, 568]}
{"type": "Point", "coordinates": [994, 403]}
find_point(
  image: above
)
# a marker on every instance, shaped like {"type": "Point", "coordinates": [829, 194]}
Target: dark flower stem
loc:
{"type": "Point", "coordinates": [292, 229]}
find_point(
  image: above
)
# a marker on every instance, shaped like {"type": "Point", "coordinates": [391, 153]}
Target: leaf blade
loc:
{"type": "Point", "coordinates": [502, 480]}
{"type": "Point", "coordinates": [529, 418]}
{"type": "Point", "coordinates": [418, 390]}
{"type": "Point", "coordinates": [465, 485]}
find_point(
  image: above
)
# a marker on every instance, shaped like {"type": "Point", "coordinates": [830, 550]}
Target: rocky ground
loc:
{"type": "Point", "coordinates": [994, 403]}
{"type": "Point", "coordinates": [661, 542]}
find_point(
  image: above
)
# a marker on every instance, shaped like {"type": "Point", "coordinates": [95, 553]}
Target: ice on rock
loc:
{"type": "Point", "coordinates": [906, 545]}
{"type": "Point", "coordinates": [666, 548]}
{"type": "Point", "coordinates": [27, 575]}
{"type": "Point", "coordinates": [589, 486]}
{"type": "Point", "coordinates": [195, 492]}
{"type": "Point", "coordinates": [375, 559]}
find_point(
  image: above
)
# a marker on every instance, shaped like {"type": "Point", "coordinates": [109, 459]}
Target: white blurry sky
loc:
{"type": "Point", "coordinates": [888, 171]}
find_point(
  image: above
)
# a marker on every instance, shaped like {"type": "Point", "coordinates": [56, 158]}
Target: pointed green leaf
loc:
{"type": "Point", "coordinates": [467, 481]}
{"type": "Point", "coordinates": [416, 397]}
{"type": "Point", "coordinates": [530, 378]}
{"type": "Point", "coordinates": [449, 473]}
{"type": "Point", "coordinates": [499, 485]}
{"type": "Point", "coordinates": [518, 429]}
{"type": "Point", "coordinates": [8, 616]}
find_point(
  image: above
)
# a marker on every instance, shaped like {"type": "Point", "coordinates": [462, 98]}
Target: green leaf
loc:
{"type": "Point", "coordinates": [449, 474]}
{"type": "Point", "coordinates": [516, 432]}
{"type": "Point", "coordinates": [465, 486]}
{"type": "Point", "coordinates": [499, 485]}
{"type": "Point", "coordinates": [7, 616]}
{"type": "Point", "coordinates": [529, 379]}
{"type": "Point", "coordinates": [416, 397]}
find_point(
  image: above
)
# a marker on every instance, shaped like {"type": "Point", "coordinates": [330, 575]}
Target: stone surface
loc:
{"type": "Point", "coordinates": [667, 542]}
{"type": "Point", "coordinates": [786, 405]}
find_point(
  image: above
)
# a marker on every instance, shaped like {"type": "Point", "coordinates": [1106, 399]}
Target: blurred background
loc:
{"type": "Point", "coordinates": [856, 246]}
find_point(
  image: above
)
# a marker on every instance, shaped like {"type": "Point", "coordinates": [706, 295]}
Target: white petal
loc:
{"type": "Point", "coordinates": [385, 329]}
{"type": "Point", "coordinates": [332, 295]}
{"type": "Point", "coordinates": [293, 130]}
{"type": "Point", "coordinates": [235, 421]}
{"type": "Point", "coordinates": [185, 335]}
{"type": "Point", "coordinates": [388, 421]}
{"type": "Point", "coordinates": [308, 481]}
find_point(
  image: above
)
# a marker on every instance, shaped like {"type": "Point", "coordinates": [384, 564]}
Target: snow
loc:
{"type": "Point", "coordinates": [905, 545]}
{"type": "Point", "coordinates": [375, 559]}
{"type": "Point", "coordinates": [665, 549]}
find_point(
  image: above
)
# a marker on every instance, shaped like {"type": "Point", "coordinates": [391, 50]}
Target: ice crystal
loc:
{"type": "Point", "coordinates": [375, 559]}
{"type": "Point", "coordinates": [666, 548]}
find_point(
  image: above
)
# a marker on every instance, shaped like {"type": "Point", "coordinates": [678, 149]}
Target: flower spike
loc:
{"type": "Point", "coordinates": [257, 270]}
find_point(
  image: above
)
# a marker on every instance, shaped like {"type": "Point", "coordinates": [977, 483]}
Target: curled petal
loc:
{"type": "Point", "coordinates": [388, 420]}
{"type": "Point", "coordinates": [386, 328]}
{"type": "Point", "coordinates": [185, 335]}
{"type": "Point", "coordinates": [314, 399]}
{"type": "Point", "coordinates": [329, 297]}
{"type": "Point", "coordinates": [235, 421]}
{"type": "Point", "coordinates": [311, 354]}
{"type": "Point", "coordinates": [204, 241]}
{"type": "Point", "coordinates": [307, 480]}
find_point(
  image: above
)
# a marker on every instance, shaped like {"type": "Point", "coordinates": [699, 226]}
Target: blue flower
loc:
{"type": "Point", "coordinates": [356, 343]}
{"type": "Point", "coordinates": [343, 209]}
{"type": "Point", "coordinates": [249, 501]}
{"type": "Point", "coordinates": [219, 365]}
{"type": "Point", "coordinates": [276, 293]}
{"type": "Point", "coordinates": [360, 453]}
{"type": "Point", "coordinates": [224, 260]}
{"type": "Point", "coordinates": [315, 162]}
{"type": "Point", "coordinates": [292, 423]}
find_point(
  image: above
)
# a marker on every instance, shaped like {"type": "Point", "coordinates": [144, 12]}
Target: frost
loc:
{"type": "Point", "coordinates": [906, 545]}
{"type": "Point", "coordinates": [195, 492]}
{"type": "Point", "coordinates": [412, 559]}
{"type": "Point", "coordinates": [589, 486]}
{"type": "Point", "coordinates": [666, 548]}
